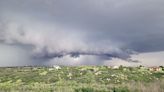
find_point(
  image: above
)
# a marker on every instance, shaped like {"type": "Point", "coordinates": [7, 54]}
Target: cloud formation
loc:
{"type": "Point", "coordinates": [92, 28]}
{"type": "Point", "coordinates": [49, 42]}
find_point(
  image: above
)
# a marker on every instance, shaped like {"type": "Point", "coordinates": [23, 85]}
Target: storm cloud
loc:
{"type": "Point", "coordinates": [91, 30]}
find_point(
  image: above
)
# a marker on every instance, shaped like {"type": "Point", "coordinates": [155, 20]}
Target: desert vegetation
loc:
{"type": "Point", "coordinates": [82, 79]}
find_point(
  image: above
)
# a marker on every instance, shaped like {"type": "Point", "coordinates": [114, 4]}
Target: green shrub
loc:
{"type": "Point", "coordinates": [84, 90]}
{"type": "Point", "coordinates": [121, 89]}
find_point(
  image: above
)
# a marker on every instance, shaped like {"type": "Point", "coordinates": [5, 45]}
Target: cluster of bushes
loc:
{"type": "Point", "coordinates": [80, 79]}
{"type": "Point", "coordinates": [87, 89]}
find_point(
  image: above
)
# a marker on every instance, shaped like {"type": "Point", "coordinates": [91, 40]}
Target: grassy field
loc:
{"type": "Point", "coordinates": [81, 79]}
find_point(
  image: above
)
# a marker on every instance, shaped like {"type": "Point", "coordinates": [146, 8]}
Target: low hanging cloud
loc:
{"type": "Point", "coordinates": [103, 29]}
{"type": "Point", "coordinates": [50, 42]}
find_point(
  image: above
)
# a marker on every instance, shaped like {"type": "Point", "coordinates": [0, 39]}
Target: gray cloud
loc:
{"type": "Point", "coordinates": [61, 28]}
{"type": "Point", "coordinates": [49, 42]}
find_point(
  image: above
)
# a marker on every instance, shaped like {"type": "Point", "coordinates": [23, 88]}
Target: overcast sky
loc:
{"type": "Point", "coordinates": [81, 32]}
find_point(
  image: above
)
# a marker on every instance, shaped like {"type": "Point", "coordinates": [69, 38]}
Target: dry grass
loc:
{"type": "Point", "coordinates": [156, 86]}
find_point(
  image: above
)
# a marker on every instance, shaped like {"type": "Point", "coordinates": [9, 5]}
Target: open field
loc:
{"type": "Point", "coordinates": [81, 79]}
